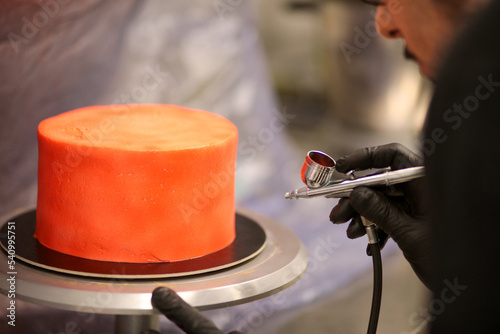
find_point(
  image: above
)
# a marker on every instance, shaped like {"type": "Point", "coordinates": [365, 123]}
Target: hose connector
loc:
{"type": "Point", "coordinates": [370, 231]}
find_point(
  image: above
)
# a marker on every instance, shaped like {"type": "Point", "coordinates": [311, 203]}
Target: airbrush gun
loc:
{"type": "Point", "coordinates": [317, 173]}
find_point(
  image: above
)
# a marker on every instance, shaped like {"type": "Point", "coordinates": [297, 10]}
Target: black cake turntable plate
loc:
{"type": "Point", "coordinates": [249, 242]}
{"type": "Point", "coordinates": [280, 262]}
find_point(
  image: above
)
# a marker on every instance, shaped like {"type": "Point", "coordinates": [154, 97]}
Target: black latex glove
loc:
{"type": "Point", "coordinates": [398, 211]}
{"type": "Point", "coordinates": [186, 317]}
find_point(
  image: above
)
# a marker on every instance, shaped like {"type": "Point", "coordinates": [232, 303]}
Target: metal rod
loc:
{"type": "Point", "coordinates": [344, 188]}
{"type": "Point", "coordinates": [134, 324]}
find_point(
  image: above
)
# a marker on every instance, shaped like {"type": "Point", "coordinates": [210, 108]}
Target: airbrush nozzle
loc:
{"type": "Point", "coordinates": [298, 193]}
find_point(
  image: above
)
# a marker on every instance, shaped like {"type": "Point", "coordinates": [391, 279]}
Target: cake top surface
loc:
{"type": "Point", "coordinates": [138, 127]}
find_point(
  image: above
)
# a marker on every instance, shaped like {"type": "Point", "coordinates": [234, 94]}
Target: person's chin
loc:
{"type": "Point", "coordinates": [425, 70]}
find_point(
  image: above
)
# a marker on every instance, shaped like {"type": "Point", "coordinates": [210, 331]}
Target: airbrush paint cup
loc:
{"type": "Point", "coordinates": [317, 169]}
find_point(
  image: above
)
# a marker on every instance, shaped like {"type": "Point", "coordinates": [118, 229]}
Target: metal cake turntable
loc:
{"type": "Point", "coordinates": [265, 258]}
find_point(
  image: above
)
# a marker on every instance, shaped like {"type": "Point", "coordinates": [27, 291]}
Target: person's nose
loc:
{"type": "Point", "coordinates": [385, 23]}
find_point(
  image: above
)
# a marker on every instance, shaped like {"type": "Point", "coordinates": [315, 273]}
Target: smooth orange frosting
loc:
{"type": "Point", "coordinates": [136, 183]}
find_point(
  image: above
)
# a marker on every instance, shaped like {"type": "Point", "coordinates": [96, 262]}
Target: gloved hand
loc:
{"type": "Point", "coordinates": [186, 317]}
{"type": "Point", "coordinates": [398, 211]}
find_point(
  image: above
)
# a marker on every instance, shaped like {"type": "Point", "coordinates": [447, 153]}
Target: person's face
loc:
{"type": "Point", "coordinates": [424, 25]}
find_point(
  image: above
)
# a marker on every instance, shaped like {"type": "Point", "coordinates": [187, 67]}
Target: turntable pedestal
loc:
{"type": "Point", "coordinates": [129, 324]}
{"type": "Point", "coordinates": [279, 263]}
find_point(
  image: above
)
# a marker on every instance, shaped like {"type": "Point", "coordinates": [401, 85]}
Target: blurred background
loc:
{"type": "Point", "coordinates": [328, 63]}
{"type": "Point", "coordinates": [292, 75]}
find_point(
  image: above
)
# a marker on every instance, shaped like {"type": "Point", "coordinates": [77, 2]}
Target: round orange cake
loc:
{"type": "Point", "coordinates": [136, 183]}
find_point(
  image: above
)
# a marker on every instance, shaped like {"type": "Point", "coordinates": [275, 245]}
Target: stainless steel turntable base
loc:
{"type": "Point", "coordinates": [281, 263]}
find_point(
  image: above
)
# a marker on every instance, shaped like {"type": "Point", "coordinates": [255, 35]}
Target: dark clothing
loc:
{"type": "Point", "coordinates": [462, 150]}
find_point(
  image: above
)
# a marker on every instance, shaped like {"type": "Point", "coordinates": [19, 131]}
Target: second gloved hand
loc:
{"type": "Point", "coordinates": [186, 317]}
{"type": "Point", "coordinates": [398, 211]}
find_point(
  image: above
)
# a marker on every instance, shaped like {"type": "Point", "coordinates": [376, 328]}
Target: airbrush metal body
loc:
{"type": "Point", "coordinates": [318, 169]}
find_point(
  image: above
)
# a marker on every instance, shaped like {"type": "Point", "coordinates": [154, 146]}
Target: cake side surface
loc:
{"type": "Point", "coordinates": [110, 191]}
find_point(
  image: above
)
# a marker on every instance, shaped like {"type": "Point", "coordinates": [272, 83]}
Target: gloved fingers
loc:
{"type": "Point", "coordinates": [393, 155]}
{"type": "Point", "coordinates": [395, 190]}
{"type": "Point", "coordinates": [356, 228]}
{"type": "Point", "coordinates": [186, 317]}
{"type": "Point", "coordinates": [342, 212]}
{"type": "Point", "coordinates": [407, 196]}
{"type": "Point", "coordinates": [376, 207]}
{"type": "Point", "coordinates": [382, 237]}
